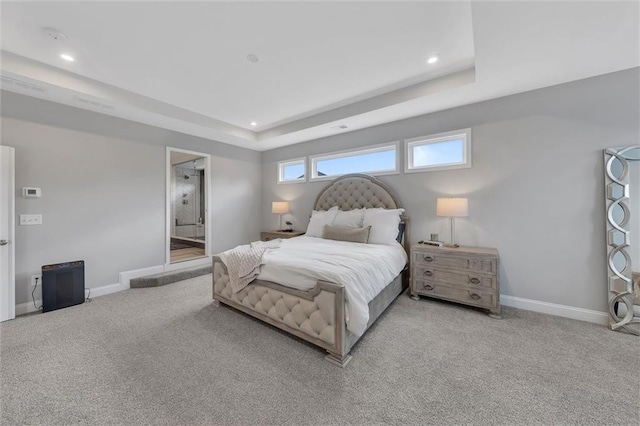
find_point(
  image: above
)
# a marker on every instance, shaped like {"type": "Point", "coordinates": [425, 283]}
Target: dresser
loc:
{"type": "Point", "coordinates": [272, 235]}
{"type": "Point", "coordinates": [466, 275]}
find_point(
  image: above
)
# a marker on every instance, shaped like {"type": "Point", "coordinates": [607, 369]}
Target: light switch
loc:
{"type": "Point", "coordinates": [30, 219]}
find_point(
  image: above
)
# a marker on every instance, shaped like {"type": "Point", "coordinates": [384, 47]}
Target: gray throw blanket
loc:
{"type": "Point", "coordinates": [243, 262]}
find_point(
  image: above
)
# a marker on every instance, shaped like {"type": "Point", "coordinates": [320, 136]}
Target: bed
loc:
{"type": "Point", "coordinates": [319, 314]}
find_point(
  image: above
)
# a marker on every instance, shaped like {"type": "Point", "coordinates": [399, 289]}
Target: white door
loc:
{"type": "Point", "coordinates": [7, 234]}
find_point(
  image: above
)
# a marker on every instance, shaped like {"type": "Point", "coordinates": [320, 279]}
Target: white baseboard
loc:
{"type": "Point", "coordinates": [27, 308]}
{"type": "Point", "coordinates": [581, 314]}
{"type": "Point", "coordinates": [565, 311]}
{"type": "Point", "coordinates": [106, 289]}
{"type": "Point", "coordinates": [124, 281]}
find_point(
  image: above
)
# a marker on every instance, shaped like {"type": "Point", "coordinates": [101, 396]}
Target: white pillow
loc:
{"type": "Point", "coordinates": [384, 225]}
{"type": "Point", "coordinates": [319, 219]}
{"type": "Point", "coordinates": [350, 219]}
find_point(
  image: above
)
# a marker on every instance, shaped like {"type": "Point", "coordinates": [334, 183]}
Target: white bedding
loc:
{"type": "Point", "coordinates": [364, 270]}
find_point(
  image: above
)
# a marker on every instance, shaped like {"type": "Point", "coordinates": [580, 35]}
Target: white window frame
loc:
{"type": "Point", "coordinates": [313, 159]}
{"type": "Point", "coordinates": [409, 144]}
{"type": "Point", "coordinates": [284, 163]}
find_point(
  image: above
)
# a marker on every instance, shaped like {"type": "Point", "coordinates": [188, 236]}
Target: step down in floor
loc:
{"type": "Point", "coordinates": [165, 278]}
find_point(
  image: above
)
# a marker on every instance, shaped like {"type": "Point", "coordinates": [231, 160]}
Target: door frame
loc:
{"type": "Point", "coordinates": [8, 289]}
{"type": "Point", "coordinates": [208, 234]}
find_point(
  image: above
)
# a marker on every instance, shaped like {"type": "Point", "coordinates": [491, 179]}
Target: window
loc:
{"type": "Point", "coordinates": [451, 150]}
{"type": "Point", "coordinates": [375, 160]}
{"type": "Point", "coordinates": [291, 171]}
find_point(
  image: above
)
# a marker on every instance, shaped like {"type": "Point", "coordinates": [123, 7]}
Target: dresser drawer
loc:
{"type": "Point", "coordinates": [490, 266]}
{"type": "Point", "coordinates": [446, 260]}
{"type": "Point", "coordinates": [462, 279]}
{"type": "Point", "coordinates": [467, 296]}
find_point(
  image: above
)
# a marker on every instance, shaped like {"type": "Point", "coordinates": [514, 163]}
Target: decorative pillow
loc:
{"type": "Point", "coordinates": [342, 233]}
{"type": "Point", "coordinates": [319, 219]}
{"type": "Point", "coordinates": [349, 219]}
{"type": "Point", "coordinates": [384, 225]}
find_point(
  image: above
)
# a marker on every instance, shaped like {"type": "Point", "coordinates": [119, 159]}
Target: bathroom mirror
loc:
{"type": "Point", "coordinates": [622, 194]}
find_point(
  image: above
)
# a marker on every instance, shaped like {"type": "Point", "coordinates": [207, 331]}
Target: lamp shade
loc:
{"type": "Point", "coordinates": [280, 207]}
{"type": "Point", "coordinates": [452, 207]}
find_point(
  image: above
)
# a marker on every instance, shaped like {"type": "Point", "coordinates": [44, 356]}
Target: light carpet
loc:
{"type": "Point", "coordinates": [166, 356]}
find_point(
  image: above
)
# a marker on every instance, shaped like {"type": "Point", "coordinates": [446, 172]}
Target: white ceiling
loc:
{"type": "Point", "coordinates": [183, 66]}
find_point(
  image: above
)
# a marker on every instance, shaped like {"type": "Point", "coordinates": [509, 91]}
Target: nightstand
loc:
{"type": "Point", "coordinates": [467, 275]}
{"type": "Point", "coordinates": [272, 235]}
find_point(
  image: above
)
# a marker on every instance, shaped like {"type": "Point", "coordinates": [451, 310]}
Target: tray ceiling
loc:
{"type": "Point", "coordinates": [320, 66]}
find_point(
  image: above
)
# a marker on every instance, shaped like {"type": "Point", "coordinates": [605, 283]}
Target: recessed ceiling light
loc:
{"type": "Point", "coordinates": [253, 123]}
{"type": "Point", "coordinates": [67, 57]}
{"type": "Point", "coordinates": [432, 59]}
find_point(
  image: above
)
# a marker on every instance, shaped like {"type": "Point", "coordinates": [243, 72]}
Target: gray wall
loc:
{"type": "Point", "coordinates": [535, 189]}
{"type": "Point", "coordinates": [103, 190]}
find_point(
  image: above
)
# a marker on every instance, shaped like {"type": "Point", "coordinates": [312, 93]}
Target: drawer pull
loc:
{"type": "Point", "coordinates": [475, 296]}
{"type": "Point", "coordinates": [428, 273]}
{"type": "Point", "coordinates": [428, 259]}
{"type": "Point", "coordinates": [427, 286]}
{"type": "Point", "coordinates": [474, 280]}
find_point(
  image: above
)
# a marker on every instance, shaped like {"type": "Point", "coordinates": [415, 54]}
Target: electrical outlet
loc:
{"type": "Point", "coordinates": [37, 277]}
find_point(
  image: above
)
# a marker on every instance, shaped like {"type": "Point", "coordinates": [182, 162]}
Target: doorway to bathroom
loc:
{"type": "Point", "coordinates": [188, 221]}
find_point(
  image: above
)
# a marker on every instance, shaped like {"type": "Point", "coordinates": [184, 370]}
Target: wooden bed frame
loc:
{"type": "Point", "coordinates": [318, 315]}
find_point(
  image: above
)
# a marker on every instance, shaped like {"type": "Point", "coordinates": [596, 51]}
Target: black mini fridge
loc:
{"type": "Point", "coordinates": [62, 285]}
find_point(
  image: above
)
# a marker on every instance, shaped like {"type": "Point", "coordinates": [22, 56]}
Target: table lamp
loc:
{"type": "Point", "coordinates": [280, 208]}
{"type": "Point", "coordinates": [452, 208]}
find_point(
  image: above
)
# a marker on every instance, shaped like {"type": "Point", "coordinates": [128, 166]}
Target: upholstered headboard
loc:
{"type": "Point", "coordinates": [355, 191]}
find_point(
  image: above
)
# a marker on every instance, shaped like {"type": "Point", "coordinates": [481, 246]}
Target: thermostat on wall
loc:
{"type": "Point", "coordinates": [30, 192]}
